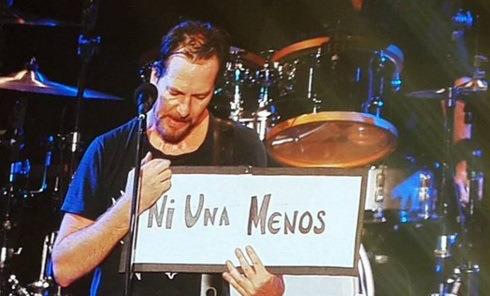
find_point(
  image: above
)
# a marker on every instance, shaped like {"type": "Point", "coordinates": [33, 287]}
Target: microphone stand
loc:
{"type": "Point", "coordinates": [135, 200]}
{"type": "Point", "coordinates": [87, 46]}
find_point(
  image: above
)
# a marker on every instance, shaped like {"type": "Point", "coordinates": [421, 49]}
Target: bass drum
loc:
{"type": "Point", "coordinates": [363, 284]}
{"type": "Point", "coordinates": [400, 230]}
{"type": "Point", "coordinates": [410, 194]}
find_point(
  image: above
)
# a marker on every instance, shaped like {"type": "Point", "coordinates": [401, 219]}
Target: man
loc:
{"type": "Point", "coordinates": [181, 131]}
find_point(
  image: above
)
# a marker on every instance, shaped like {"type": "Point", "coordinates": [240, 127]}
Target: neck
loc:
{"type": "Point", "coordinates": [190, 143]}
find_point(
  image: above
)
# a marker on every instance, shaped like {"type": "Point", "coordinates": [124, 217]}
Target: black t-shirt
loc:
{"type": "Point", "coordinates": [101, 178]}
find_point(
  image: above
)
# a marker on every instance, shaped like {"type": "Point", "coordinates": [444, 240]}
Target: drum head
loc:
{"type": "Point", "coordinates": [331, 139]}
{"type": "Point", "coordinates": [300, 48]}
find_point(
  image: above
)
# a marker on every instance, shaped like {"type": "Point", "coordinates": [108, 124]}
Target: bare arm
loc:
{"type": "Point", "coordinates": [82, 244]}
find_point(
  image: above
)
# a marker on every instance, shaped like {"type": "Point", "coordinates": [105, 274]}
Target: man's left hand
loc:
{"type": "Point", "coordinates": [255, 280]}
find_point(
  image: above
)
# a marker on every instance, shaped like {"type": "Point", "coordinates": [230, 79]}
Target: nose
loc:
{"type": "Point", "coordinates": [184, 107]}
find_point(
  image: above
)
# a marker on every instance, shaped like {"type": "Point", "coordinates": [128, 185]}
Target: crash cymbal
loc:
{"type": "Point", "coordinates": [32, 81]}
{"type": "Point", "coordinates": [12, 16]}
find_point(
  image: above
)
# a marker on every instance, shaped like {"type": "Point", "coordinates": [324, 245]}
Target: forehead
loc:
{"type": "Point", "coordinates": [182, 68]}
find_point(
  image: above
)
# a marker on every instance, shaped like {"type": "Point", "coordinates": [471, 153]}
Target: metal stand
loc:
{"type": "Point", "coordinates": [18, 170]}
{"type": "Point", "coordinates": [133, 224]}
{"type": "Point", "coordinates": [449, 207]}
{"type": "Point", "coordinates": [87, 47]}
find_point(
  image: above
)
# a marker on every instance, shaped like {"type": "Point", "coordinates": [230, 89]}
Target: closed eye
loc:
{"type": "Point", "coordinates": [174, 92]}
{"type": "Point", "coordinates": [200, 97]}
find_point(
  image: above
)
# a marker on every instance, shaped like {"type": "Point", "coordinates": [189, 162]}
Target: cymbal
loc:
{"type": "Point", "coordinates": [32, 81]}
{"type": "Point", "coordinates": [464, 85]}
{"type": "Point", "coordinates": [428, 94]}
{"type": "Point", "coordinates": [12, 16]}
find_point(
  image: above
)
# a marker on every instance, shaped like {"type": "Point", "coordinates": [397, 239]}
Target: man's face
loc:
{"type": "Point", "coordinates": [184, 92]}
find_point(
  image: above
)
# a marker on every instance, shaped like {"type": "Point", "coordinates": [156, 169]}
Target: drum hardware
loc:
{"type": "Point", "coordinates": [15, 288]}
{"type": "Point", "coordinates": [16, 190]}
{"type": "Point", "coordinates": [19, 170]}
{"type": "Point", "coordinates": [379, 195]}
{"type": "Point", "coordinates": [239, 76]}
{"type": "Point", "coordinates": [266, 81]}
{"type": "Point", "coordinates": [411, 196]}
{"type": "Point", "coordinates": [381, 61]}
{"type": "Point", "coordinates": [19, 174]}
{"type": "Point", "coordinates": [470, 87]}
{"type": "Point", "coordinates": [45, 281]}
{"type": "Point", "coordinates": [47, 165]}
{"type": "Point", "coordinates": [422, 206]}
{"type": "Point", "coordinates": [236, 98]}
{"type": "Point", "coordinates": [449, 206]}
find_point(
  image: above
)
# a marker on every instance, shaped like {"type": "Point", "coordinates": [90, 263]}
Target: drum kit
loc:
{"type": "Point", "coordinates": [315, 103]}
{"type": "Point", "coordinates": [319, 103]}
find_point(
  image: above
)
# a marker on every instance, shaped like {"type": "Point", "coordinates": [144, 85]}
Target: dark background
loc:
{"type": "Point", "coordinates": [131, 29]}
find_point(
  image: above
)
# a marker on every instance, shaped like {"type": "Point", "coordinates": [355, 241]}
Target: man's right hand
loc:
{"type": "Point", "coordinates": [154, 181]}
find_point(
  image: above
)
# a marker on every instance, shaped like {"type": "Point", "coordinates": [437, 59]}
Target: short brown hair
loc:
{"type": "Point", "coordinates": [196, 40]}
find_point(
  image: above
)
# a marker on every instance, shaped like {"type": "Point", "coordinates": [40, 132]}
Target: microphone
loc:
{"type": "Point", "coordinates": [144, 97]}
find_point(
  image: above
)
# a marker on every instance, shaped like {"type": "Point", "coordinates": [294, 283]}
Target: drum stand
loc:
{"type": "Point", "coordinates": [18, 169]}
{"type": "Point", "coordinates": [44, 282]}
{"type": "Point", "coordinates": [465, 275]}
{"type": "Point", "coordinates": [448, 204]}
{"type": "Point", "coordinates": [468, 272]}
{"type": "Point", "coordinates": [263, 114]}
{"type": "Point", "coordinates": [19, 173]}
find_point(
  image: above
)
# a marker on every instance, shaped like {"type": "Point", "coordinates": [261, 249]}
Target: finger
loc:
{"type": "Point", "coordinates": [147, 158]}
{"type": "Point", "coordinates": [161, 165]}
{"type": "Point", "coordinates": [249, 271]}
{"type": "Point", "coordinates": [240, 279]}
{"type": "Point", "coordinates": [227, 276]}
{"type": "Point", "coordinates": [257, 264]}
{"type": "Point", "coordinates": [164, 176]}
{"type": "Point", "coordinates": [166, 185]}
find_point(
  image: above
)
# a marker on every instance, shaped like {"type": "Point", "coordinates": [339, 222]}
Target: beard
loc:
{"type": "Point", "coordinates": [173, 134]}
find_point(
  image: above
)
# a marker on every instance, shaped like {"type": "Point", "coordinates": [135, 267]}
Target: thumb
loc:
{"type": "Point", "coordinates": [147, 158]}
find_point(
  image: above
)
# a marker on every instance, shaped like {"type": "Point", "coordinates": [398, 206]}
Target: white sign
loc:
{"type": "Point", "coordinates": [299, 224]}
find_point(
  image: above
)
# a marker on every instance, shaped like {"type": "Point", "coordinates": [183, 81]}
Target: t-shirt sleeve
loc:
{"type": "Point", "coordinates": [83, 196]}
